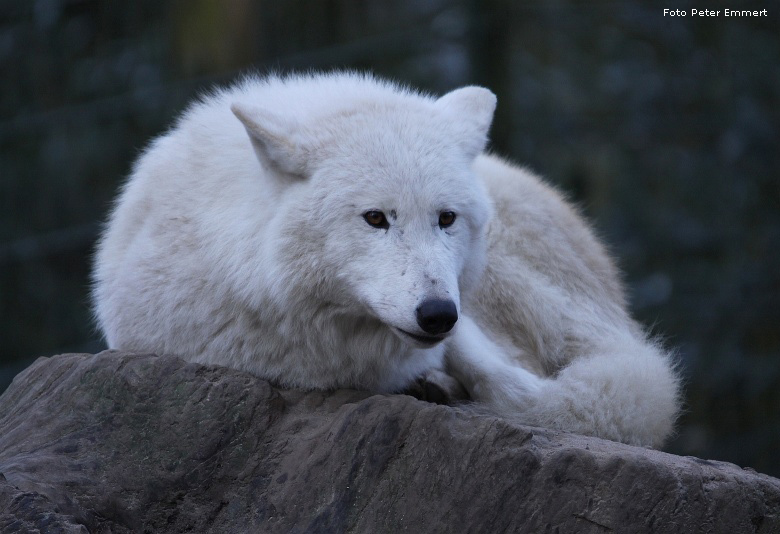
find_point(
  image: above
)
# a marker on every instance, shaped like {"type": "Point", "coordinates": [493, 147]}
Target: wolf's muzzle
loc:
{"type": "Point", "coordinates": [437, 316]}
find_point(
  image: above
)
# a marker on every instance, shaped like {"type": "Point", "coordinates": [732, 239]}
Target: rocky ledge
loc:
{"type": "Point", "coordinates": [118, 442]}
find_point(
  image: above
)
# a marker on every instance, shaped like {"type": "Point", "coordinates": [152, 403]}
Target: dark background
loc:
{"type": "Point", "coordinates": [665, 131]}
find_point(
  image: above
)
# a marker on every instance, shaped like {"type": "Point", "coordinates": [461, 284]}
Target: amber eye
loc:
{"type": "Point", "coordinates": [376, 219]}
{"type": "Point", "coordinates": [446, 218]}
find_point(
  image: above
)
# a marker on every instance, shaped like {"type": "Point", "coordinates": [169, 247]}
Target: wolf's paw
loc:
{"type": "Point", "coordinates": [438, 387]}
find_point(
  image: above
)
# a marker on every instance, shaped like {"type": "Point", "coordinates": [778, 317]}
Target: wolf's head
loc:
{"type": "Point", "coordinates": [381, 212]}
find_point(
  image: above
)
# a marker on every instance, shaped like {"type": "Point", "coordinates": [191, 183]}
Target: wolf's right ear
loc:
{"type": "Point", "coordinates": [277, 140]}
{"type": "Point", "coordinates": [471, 111]}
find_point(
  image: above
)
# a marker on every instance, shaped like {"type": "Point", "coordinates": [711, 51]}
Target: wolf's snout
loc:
{"type": "Point", "coordinates": [437, 316]}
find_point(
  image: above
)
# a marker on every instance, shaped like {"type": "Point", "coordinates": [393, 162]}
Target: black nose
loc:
{"type": "Point", "coordinates": [437, 316]}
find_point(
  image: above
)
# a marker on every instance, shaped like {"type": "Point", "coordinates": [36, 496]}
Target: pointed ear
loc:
{"type": "Point", "coordinates": [277, 140]}
{"type": "Point", "coordinates": [472, 109]}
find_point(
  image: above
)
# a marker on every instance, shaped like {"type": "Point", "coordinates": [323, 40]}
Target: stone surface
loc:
{"type": "Point", "coordinates": [117, 443]}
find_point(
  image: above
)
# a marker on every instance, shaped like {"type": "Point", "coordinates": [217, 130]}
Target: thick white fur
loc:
{"type": "Point", "coordinates": [239, 239]}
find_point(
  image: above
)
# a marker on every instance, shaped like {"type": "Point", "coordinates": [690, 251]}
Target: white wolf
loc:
{"type": "Point", "coordinates": [336, 230]}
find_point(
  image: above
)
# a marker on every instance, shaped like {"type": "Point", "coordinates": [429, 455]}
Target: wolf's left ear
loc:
{"type": "Point", "coordinates": [278, 141]}
{"type": "Point", "coordinates": [471, 108]}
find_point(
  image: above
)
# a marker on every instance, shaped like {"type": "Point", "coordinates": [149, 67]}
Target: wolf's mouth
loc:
{"type": "Point", "coordinates": [425, 340]}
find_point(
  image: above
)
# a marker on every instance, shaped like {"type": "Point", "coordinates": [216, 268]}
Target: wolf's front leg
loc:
{"type": "Point", "coordinates": [486, 372]}
{"type": "Point", "coordinates": [438, 387]}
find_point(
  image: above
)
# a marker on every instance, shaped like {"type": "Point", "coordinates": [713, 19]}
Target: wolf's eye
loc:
{"type": "Point", "coordinates": [376, 219]}
{"type": "Point", "coordinates": [446, 218]}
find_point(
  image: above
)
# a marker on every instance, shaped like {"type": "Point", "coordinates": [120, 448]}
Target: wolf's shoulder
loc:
{"type": "Point", "coordinates": [303, 96]}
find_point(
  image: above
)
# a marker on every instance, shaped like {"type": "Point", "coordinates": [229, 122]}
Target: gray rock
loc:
{"type": "Point", "coordinates": [117, 442]}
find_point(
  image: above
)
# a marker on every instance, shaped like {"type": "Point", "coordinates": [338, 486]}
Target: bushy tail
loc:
{"type": "Point", "coordinates": [627, 391]}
